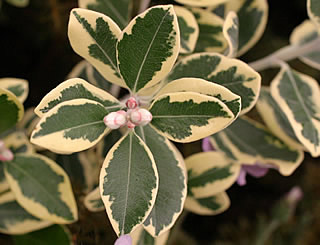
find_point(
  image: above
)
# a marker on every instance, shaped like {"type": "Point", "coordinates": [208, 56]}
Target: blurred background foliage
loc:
{"type": "Point", "coordinates": [34, 46]}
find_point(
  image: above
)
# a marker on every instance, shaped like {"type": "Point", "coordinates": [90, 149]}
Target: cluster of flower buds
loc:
{"type": "Point", "coordinates": [134, 116]}
{"type": "Point", "coordinates": [5, 153]}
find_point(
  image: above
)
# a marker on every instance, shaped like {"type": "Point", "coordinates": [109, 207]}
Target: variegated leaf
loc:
{"type": "Point", "coordinates": [211, 37]}
{"type": "Point", "coordinates": [141, 237]}
{"type": "Point", "coordinates": [233, 74]}
{"type": "Point", "coordinates": [202, 3]}
{"type": "Point", "coordinates": [94, 36]}
{"type": "Point", "coordinates": [52, 235]}
{"type": "Point", "coordinates": [232, 101]}
{"type": "Point", "coordinates": [172, 189]}
{"type": "Point", "coordinates": [118, 10]}
{"type": "Point", "coordinates": [313, 7]}
{"type": "Point", "coordinates": [28, 122]}
{"type": "Point", "coordinates": [93, 201]}
{"type": "Point", "coordinates": [3, 182]}
{"type": "Point", "coordinates": [209, 205]}
{"type": "Point", "coordinates": [71, 126]}
{"type": "Point", "coordinates": [304, 34]}
{"type": "Point", "coordinates": [231, 33]}
{"type": "Point", "coordinates": [83, 173]}
{"type": "Point", "coordinates": [14, 219]}
{"type": "Point", "coordinates": [53, 200]}
{"type": "Point", "coordinates": [246, 141]}
{"type": "Point", "coordinates": [189, 116]}
{"type": "Point", "coordinates": [76, 88]}
{"type": "Point", "coordinates": [298, 97]}
{"type": "Point", "coordinates": [128, 183]}
{"type": "Point", "coordinates": [90, 74]}
{"type": "Point", "coordinates": [276, 119]}
{"type": "Point", "coordinates": [11, 107]}
{"type": "Point", "coordinates": [210, 173]}
{"type": "Point", "coordinates": [106, 144]}
{"type": "Point", "coordinates": [149, 47]}
{"type": "Point", "coordinates": [19, 3]}
{"type": "Point", "coordinates": [18, 142]}
{"type": "Point", "coordinates": [189, 29]}
{"type": "Point", "coordinates": [19, 87]}
{"type": "Point", "coordinates": [253, 15]}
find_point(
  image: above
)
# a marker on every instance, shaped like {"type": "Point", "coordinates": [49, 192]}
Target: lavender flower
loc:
{"type": "Point", "coordinates": [257, 170]}
{"type": "Point", "coordinates": [124, 240]}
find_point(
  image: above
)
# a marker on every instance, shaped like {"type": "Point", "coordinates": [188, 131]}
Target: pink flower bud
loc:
{"type": "Point", "coordinates": [131, 103]}
{"type": "Point", "coordinates": [116, 119]}
{"type": "Point", "coordinates": [6, 155]}
{"type": "Point", "coordinates": [140, 117]}
{"type": "Point", "coordinates": [130, 124]}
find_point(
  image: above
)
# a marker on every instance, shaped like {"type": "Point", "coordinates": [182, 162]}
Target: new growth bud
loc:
{"type": "Point", "coordinates": [5, 154]}
{"type": "Point", "coordinates": [116, 119]}
{"type": "Point", "coordinates": [131, 103]}
{"type": "Point", "coordinates": [140, 117]}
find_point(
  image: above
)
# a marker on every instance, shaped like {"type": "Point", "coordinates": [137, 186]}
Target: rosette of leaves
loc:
{"type": "Point", "coordinates": [143, 178]}
{"type": "Point", "coordinates": [28, 201]}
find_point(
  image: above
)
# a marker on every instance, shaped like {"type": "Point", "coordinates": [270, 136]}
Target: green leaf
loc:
{"type": "Point", "coordinates": [276, 119]}
{"type": "Point", "coordinates": [94, 37]}
{"type": "Point", "coordinates": [71, 126]}
{"type": "Point", "coordinates": [189, 116]}
{"type": "Point", "coordinates": [19, 87]}
{"type": "Point", "coordinates": [298, 97]}
{"type": "Point", "coordinates": [172, 189]}
{"type": "Point", "coordinates": [52, 235]}
{"type": "Point", "coordinates": [76, 88]}
{"type": "Point", "coordinates": [305, 33]}
{"type": "Point", "coordinates": [313, 7]}
{"type": "Point", "coordinates": [128, 183]}
{"type": "Point", "coordinates": [231, 33]}
{"type": "Point", "coordinates": [189, 29]}
{"type": "Point", "coordinates": [253, 15]}
{"type": "Point", "coordinates": [149, 47]}
{"type": "Point", "coordinates": [210, 173]}
{"type": "Point", "coordinates": [118, 10]}
{"type": "Point", "coordinates": [249, 142]}
{"type": "Point", "coordinates": [231, 100]}
{"type": "Point", "coordinates": [93, 201]}
{"type": "Point", "coordinates": [11, 107]}
{"type": "Point", "coordinates": [53, 200]}
{"type": "Point", "coordinates": [209, 205]}
{"type": "Point", "coordinates": [211, 37]}
{"type": "Point", "coordinates": [233, 74]}
{"type": "Point", "coordinates": [14, 219]}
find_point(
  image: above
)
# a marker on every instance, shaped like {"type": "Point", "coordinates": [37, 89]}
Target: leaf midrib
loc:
{"type": "Point", "coordinates": [305, 109]}
{"type": "Point", "coordinates": [147, 53]}
{"type": "Point", "coordinates": [41, 187]}
{"type": "Point", "coordinates": [230, 134]}
{"type": "Point", "coordinates": [128, 181]}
